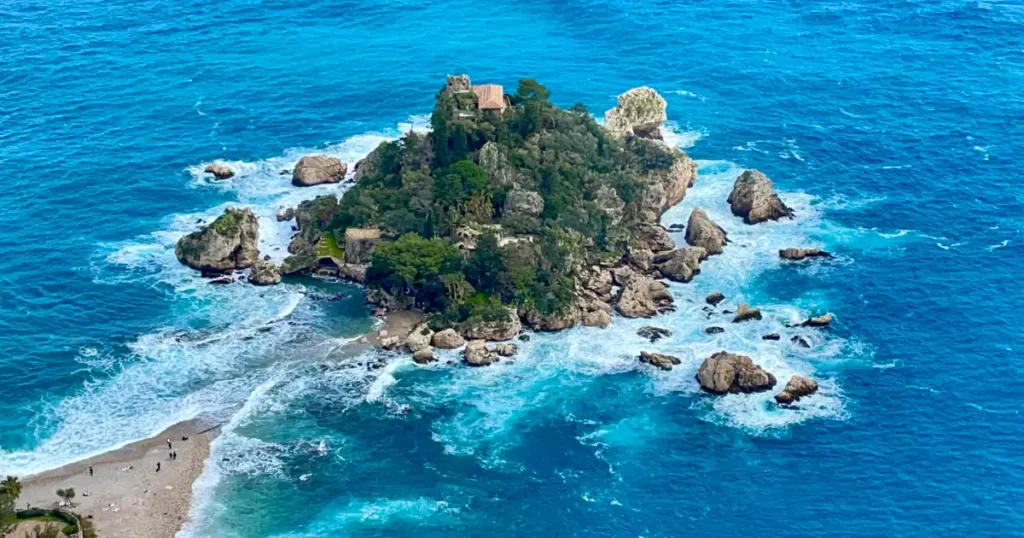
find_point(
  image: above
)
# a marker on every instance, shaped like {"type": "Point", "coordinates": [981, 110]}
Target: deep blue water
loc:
{"type": "Point", "coordinates": [894, 128]}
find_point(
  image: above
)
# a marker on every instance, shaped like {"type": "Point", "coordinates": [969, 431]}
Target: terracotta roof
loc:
{"type": "Point", "coordinates": [362, 233]}
{"type": "Point", "coordinates": [489, 97]}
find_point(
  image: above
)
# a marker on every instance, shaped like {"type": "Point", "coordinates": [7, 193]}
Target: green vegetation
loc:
{"type": "Point", "coordinates": [328, 246]}
{"type": "Point", "coordinates": [453, 246]}
{"type": "Point", "coordinates": [227, 224]}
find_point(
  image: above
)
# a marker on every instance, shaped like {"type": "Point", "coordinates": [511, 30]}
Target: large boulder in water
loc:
{"type": "Point", "coordinates": [658, 360]}
{"type": "Point", "coordinates": [702, 232]}
{"type": "Point", "coordinates": [753, 198]}
{"type": "Point", "coordinates": [797, 254]}
{"type": "Point", "coordinates": [724, 373]}
{"type": "Point", "coordinates": [318, 169]}
{"type": "Point", "coordinates": [683, 264]}
{"type": "Point", "coordinates": [265, 273]}
{"type": "Point", "coordinates": [745, 313]}
{"type": "Point", "coordinates": [220, 170]}
{"type": "Point", "coordinates": [643, 297]}
{"type": "Point", "coordinates": [640, 112]}
{"type": "Point", "coordinates": [478, 354]}
{"type": "Point", "coordinates": [419, 338]}
{"type": "Point", "coordinates": [228, 243]}
{"type": "Point", "coordinates": [505, 328]}
{"type": "Point", "coordinates": [447, 339]}
{"type": "Point", "coordinates": [797, 388]}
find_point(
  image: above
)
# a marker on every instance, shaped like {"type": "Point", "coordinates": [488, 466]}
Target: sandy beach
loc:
{"type": "Point", "coordinates": [126, 497]}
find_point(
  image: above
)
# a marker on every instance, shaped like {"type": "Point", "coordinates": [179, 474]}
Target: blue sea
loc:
{"type": "Point", "coordinates": [895, 129]}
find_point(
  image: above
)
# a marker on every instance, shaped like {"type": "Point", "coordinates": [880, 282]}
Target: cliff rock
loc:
{"type": "Point", "coordinates": [640, 112]}
{"type": "Point", "coordinates": [318, 169]}
{"type": "Point", "coordinates": [228, 243]}
{"type": "Point", "coordinates": [701, 231]}
{"type": "Point", "coordinates": [753, 198]}
{"type": "Point", "coordinates": [724, 373]}
{"type": "Point", "coordinates": [265, 273]}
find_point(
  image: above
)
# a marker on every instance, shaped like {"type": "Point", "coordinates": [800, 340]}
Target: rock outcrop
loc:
{"type": "Point", "coordinates": [448, 339]}
{"type": "Point", "coordinates": [753, 198]}
{"type": "Point", "coordinates": [424, 356]}
{"type": "Point", "coordinates": [596, 318]}
{"type": "Point", "coordinates": [265, 273]}
{"type": "Point", "coordinates": [683, 264]}
{"type": "Point", "coordinates": [419, 338]}
{"type": "Point", "coordinates": [796, 388]}
{"type": "Point", "coordinates": [640, 112]}
{"type": "Point", "coordinates": [663, 188]}
{"type": "Point", "coordinates": [643, 297]}
{"type": "Point", "coordinates": [772, 336]}
{"type": "Point", "coordinates": [823, 320]}
{"type": "Point", "coordinates": [797, 254]}
{"type": "Point", "coordinates": [318, 169]}
{"type": "Point", "coordinates": [654, 237]}
{"type": "Point", "coordinates": [724, 373]}
{"type": "Point", "coordinates": [714, 330]}
{"type": "Point", "coordinates": [478, 354]}
{"type": "Point", "coordinates": [745, 313]}
{"type": "Point", "coordinates": [285, 214]}
{"type": "Point", "coordinates": [658, 360]}
{"type": "Point", "coordinates": [523, 202]}
{"type": "Point", "coordinates": [370, 164]}
{"type": "Point", "coordinates": [506, 349]}
{"type": "Point", "coordinates": [220, 170]}
{"type": "Point", "coordinates": [228, 243]}
{"type": "Point", "coordinates": [495, 331]}
{"type": "Point", "coordinates": [558, 321]}
{"type": "Point", "coordinates": [702, 232]}
{"type": "Point", "coordinates": [714, 298]}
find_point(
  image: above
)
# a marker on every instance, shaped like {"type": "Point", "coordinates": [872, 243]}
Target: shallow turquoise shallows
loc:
{"type": "Point", "coordinates": [893, 128]}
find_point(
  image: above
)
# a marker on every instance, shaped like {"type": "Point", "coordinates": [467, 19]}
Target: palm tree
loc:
{"type": "Point", "coordinates": [11, 487]}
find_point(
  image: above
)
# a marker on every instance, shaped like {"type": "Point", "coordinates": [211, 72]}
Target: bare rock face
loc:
{"type": "Point", "coordinates": [447, 339]}
{"type": "Point", "coordinates": [477, 354]}
{"type": "Point", "coordinates": [523, 202]}
{"type": "Point", "coordinates": [597, 318]}
{"type": "Point", "coordinates": [641, 258]}
{"type": "Point", "coordinates": [353, 272]}
{"type": "Point", "coordinates": [265, 273]}
{"type": "Point", "coordinates": [745, 313]}
{"type": "Point", "coordinates": [796, 388]}
{"type": "Point", "coordinates": [684, 264]}
{"type": "Point", "coordinates": [458, 83]}
{"type": "Point", "coordinates": [228, 243]}
{"type": "Point", "coordinates": [424, 356]}
{"type": "Point", "coordinates": [419, 338]}
{"type": "Point", "coordinates": [640, 112]}
{"type": "Point", "coordinates": [623, 275]}
{"type": "Point", "coordinates": [714, 298]}
{"type": "Point", "coordinates": [753, 198]}
{"type": "Point", "coordinates": [285, 214]}
{"type": "Point", "coordinates": [823, 320]}
{"type": "Point", "coordinates": [495, 331]}
{"type": "Point", "coordinates": [220, 170]}
{"type": "Point", "coordinates": [724, 373]}
{"type": "Point", "coordinates": [655, 237]}
{"type": "Point", "coordinates": [653, 334]}
{"type": "Point", "coordinates": [506, 349]}
{"type": "Point", "coordinates": [318, 169]}
{"type": "Point", "coordinates": [797, 254]}
{"type": "Point", "coordinates": [608, 201]}
{"type": "Point", "coordinates": [643, 297]}
{"type": "Point", "coordinates": [370, 164]}
{"type": "Point", "coordinates": [599, 281]}
{"type": "Point", "coordinates": [701, 231]}
{"type": "Point", "coordinates": [663, 362]}
{"type": "Point", "coordinates": [664, 188]}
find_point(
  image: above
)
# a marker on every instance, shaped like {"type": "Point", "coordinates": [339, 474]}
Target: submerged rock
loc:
{"type": "Point", "coordinates": [724, 373]}
{"type": "Point", "coordinates": [714, 298]}
{"type": "Point", "coordinates": [643, 297]}
{"type": "Point", "coordinates": [745, 313]}
{"type": "Point", "coordinates": [285, 214]}
{"type": "Point", "coordinates": [753, 198]}
{"type": "Point", "coordinates": [714, 330]}
{"type": "Point", "coordinates": [228, 243]}
{"type": "Point", "coordinates": [801, 341]}
{"type": "Point", "coordinates": [796, 388]}
{"type": "Point", "coordinates": [220, 170]}
{"type": "Point", "coordinates": [797, 254]}
{"type": "Point", "coordinates": [653, 334]}
{"type": "Point", "coordinates": [702, 232]}
{"type": "Point", "coordinates": [772, 336]}
{"type": "Point", "coordinates": [664, 362]}
{"type": "Point", "coordinates": [506, 349]}
{"type": "Point", "coordinates": [265, 273]}
{"type": "Point", "coordinates": [318, 169]}
{"type": "Point", "coordinates": [477, 354]}
{"type": "Point", "coordinates": [640, 112]}
{"type": "Point", "coordinates": [448, 339]}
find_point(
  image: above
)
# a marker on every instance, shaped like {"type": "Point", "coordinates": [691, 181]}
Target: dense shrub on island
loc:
{"type": "Point", "coordinates": [503, 213]}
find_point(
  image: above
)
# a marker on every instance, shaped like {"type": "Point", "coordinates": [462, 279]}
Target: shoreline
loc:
{"type": "Point", "coordinates": [126, 497]}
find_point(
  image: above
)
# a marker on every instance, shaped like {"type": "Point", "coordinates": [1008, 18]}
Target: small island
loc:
{"type": "Point", "coordinates": [510, 212]}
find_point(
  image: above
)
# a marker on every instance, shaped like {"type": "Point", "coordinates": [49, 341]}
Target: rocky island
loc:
{"type": "Point", "coordinates": [511, 212]}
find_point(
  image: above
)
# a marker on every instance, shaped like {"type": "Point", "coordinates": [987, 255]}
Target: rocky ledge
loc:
{"type": "Point", "coordinates": [227, 244]}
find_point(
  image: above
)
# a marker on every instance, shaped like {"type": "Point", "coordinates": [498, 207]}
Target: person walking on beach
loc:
{"type": "Point", "coordinates": [158, 466]}
{"type": "Point", "coordinates": [174, 455]}
{"type": "Point", "coordinates": [168, 443]}
{"type": "Point", "coordinates": [90, 470]}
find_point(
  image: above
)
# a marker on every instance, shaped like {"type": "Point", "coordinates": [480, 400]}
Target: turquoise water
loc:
{"type": "Point", "coordinates": [893, 129]}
